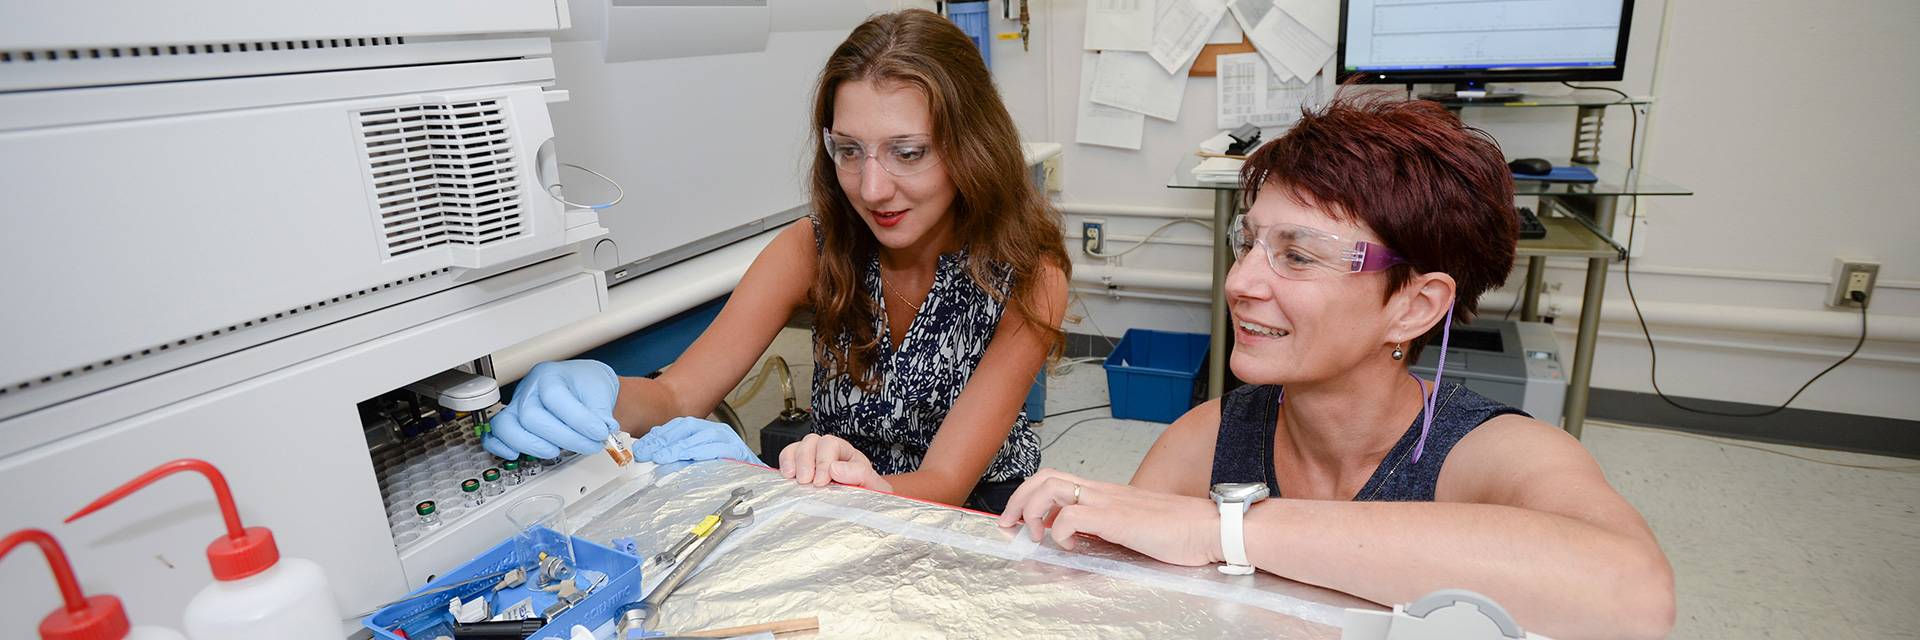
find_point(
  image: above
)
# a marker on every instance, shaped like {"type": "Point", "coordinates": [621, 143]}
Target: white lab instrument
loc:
{"type": "Point", "coordinates": [459, 390]}
{"type": "Point", "coordinates": [232, 222]}
{"type": "Point", "coordinates": [1448, 614]}
{"type": "Point", "coordinates": [234, 225]}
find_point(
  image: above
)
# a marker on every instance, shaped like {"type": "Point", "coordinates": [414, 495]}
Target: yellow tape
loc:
{"type": "Point", "coordinates": [706, 525]}
{"type": "Point", "coordinates": [1011, 35]}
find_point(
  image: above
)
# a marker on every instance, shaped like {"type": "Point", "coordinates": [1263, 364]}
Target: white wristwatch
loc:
{"type": "Point", "coordinates": [1234, 498]}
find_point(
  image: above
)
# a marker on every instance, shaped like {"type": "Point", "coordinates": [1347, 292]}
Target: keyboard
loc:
{"type": "Point", "coordinates": [1530, 227]}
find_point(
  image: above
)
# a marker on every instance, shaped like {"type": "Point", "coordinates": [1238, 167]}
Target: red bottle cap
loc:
{"type": "Point", "coordinates": [97, 618]}
{"type": "Point", "coordinates": [244, 551]}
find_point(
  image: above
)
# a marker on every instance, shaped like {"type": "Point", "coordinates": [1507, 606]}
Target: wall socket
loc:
{"type": "Point", "coordinates": [1849, 276]}
{"type": "Point", "coordinates": [1093, 236]}
{"type": "Point", "coordinates": [1055, 179]}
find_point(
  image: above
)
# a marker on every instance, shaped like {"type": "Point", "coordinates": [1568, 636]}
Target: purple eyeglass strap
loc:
{"type": "Point", "coordinates": [1426, 423]}
{"type": "Point", "coordinates": [1374, 257]}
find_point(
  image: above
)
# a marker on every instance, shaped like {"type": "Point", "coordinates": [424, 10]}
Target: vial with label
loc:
{"type": "Point", "coordinates": [530, 465]}
{"type": "Point", "coordinates": [470, 490]}
{"type": "Point", "coordinates": [618, 450]}
{"type": "Point", "coordinates": [490, 485]}
{"type": "Point", "coordinates": [512, 469]}
{"type": "Point", "coordinates": [428, 518]}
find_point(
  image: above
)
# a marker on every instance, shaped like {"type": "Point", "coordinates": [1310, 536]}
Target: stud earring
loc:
{"type": "Point", "coordinates": [1399, 353]}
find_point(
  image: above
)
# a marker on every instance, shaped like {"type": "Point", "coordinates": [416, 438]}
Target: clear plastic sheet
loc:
{"type": "Point", "coordinates": [875, 565]}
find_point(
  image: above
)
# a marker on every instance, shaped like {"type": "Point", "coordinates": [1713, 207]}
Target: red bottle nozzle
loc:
{"type": "Point", "coordinates": [97, 618]}
{"type": "Point", "coordinates": [244, 551]}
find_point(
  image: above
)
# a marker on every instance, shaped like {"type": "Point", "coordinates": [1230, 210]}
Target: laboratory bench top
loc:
{"type": "Point", "coordinates": [870, 564]}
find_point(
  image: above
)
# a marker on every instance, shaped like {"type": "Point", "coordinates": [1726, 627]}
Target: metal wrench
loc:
{"type": "Point", "coordinates": [729, 521]}
{"type": "Point", "coordinates": [667, 558]}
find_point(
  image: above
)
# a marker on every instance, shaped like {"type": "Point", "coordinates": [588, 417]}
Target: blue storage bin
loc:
{"type": "Point", "coordinates": [420, 617]}
{"type": "Point", "coordinates": [1150, 374]}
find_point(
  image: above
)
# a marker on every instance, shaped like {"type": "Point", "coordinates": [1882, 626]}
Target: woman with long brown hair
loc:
{"type": "Point", "coordinates": [936, 277]}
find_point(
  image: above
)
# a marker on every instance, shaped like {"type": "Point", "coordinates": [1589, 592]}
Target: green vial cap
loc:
{"type": "Point", "coordinates": [511, 465]}
{"type": "Point", "coordinates": [490, 475]}
{"type": "Point", "coordinates": [424, 508]}
{"type": "Point", "coordinates": [470, 485]}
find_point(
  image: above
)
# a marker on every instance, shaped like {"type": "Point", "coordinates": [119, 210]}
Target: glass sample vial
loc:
{"type": "Point", "coordinates": [428, 517]}
{"type": "Point", "coordinates": [512, 469]}
{"type": "Point", "coordinates": [530, 465]}
{"type": "Point", "coordinates": [470, 490]}
{"type": "Point", "coordinates": [490, 485]}
{"type": "Point", "coordinates": [618, 450]}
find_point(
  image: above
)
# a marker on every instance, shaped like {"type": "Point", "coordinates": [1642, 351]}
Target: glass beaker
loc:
{"type": "Point", "coordinates": [540, 527]}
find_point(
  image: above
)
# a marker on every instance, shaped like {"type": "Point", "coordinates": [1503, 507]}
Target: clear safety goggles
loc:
{"type": "Point", "coordinates": [899, 156]}
{"type": "Point", "coordinates": [1305, 253]}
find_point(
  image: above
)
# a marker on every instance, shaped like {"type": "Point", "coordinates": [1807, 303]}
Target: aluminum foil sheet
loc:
{"type": "Point", "coordinates": [875, 565]}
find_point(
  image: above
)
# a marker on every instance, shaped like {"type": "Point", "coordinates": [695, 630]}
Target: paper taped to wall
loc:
{"type": "Point", "coordinates": [1182, 28]}
{"type": "Point", "coordinates": [1100, 124]}
{"type": "Point", "coordinates": [1295, 49]}
{"type": "Point", "coordinates": [1227, 32]}
{"type": "Point", "coordinates": [1249, 93]}
{"type": "Point", "coordinates": [1119, 25]}
{"type": "Point", "coordinates": [1135, 82]}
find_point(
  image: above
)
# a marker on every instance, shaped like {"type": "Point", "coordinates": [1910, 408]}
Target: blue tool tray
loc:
{"type": "Point", "coordinates": [428, 617]}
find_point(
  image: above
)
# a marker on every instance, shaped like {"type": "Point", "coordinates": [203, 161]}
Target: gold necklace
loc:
{"type": "Point", "coordinates": [897, 294]}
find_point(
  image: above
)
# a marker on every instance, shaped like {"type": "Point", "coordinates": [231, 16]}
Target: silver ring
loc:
{"type": "Point", "coordinates": [1076, 494]}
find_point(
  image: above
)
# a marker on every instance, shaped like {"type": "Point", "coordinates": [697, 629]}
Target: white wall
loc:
{"type": "Point", "coordinates": [1794, 124]}
{"type": "Point", "coordinates": [1780, 116]}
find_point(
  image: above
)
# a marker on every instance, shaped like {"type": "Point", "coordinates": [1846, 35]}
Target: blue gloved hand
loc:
{"type": "Point", "coordinates": [558, 404]}
{"type": "Point", "coordinates": [692, 439]}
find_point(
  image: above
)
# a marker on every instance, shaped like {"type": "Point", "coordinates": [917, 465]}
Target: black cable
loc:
{"type": "Point", "coordinates": [1062, 413]}
{"type": "Point", "coordinates": [1626, 272]}
{"type": "Point", "coordinates": [1063, 432]}
{"type": "Point", "coordinates": [1516, 304]}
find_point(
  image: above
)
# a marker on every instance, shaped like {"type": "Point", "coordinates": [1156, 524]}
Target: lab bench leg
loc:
{"type": "Point", "coordinates": [1536, 275]}
{"type": "Point", "coordinates": [1581, 379]}
{"type": "Point", "coordinates": [1223, 210]}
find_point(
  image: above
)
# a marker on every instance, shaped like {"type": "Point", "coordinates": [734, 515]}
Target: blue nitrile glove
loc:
{"type": "Point", "coordinates": [692, 439]}
{"type": "Point", "coordinates": [558, 404]}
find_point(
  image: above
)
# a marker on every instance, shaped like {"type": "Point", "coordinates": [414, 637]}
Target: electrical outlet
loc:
{"type": "Point", "coordinates": [1093, 236]}
{"type": "Point", "coordinates": [1850, 276]}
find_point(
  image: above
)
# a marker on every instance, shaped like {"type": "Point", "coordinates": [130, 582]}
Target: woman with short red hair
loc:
{"type": "Point", "coordinates": [1370, 225]}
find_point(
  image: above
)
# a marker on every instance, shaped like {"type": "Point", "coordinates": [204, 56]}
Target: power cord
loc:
{"type": "Point", "coordinates": [1063, 432]}
{"type": "Point", "coordinates": [1087, 316]}
{"type": "Point", "coordinates": [1066, 365]}
{"type": "Point", "coordinates": [1626, 271]}
{"type": "Point", "coordinates": [1143, 241]}
{"type": "Point", "coordinates": [1097, 406]}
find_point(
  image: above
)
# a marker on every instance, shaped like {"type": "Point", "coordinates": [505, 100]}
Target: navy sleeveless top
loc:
{"type": "Point", "coordinates": [1243, 451]}
{"type": "Point", "coordinates": [921, 379]}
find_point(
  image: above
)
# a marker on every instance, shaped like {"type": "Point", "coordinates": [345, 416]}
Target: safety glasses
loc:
{"type": "Point", "coordinates": [1305, 253]}
{"type": "Point", "coordinates": [901, 157]}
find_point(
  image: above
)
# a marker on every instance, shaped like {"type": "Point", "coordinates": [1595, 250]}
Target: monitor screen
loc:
{"type": "Point", "coordinates": [1441, 40]}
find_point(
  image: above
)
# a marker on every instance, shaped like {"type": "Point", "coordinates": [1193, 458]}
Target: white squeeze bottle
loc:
{"type": "Point", "coordinates": [256, 593]}
{"type": "Point", "coordinates": [81, 618]}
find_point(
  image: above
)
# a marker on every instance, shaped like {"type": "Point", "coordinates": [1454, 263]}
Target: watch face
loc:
{"type": "Point", "coordinates": [1239, 491]}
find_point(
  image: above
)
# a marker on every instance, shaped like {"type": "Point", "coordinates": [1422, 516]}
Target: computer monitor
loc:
{"type": "Point", "coordinates": [1472, 42]}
